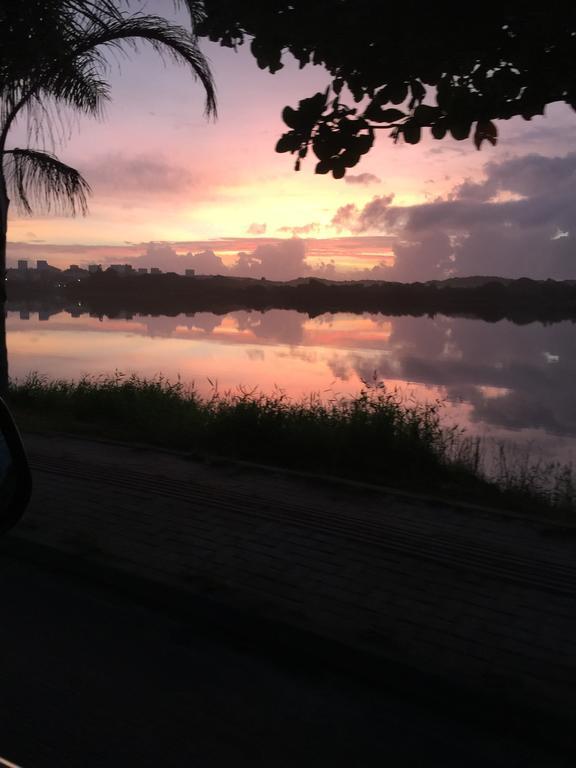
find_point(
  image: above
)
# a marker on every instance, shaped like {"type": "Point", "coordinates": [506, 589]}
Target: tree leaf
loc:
{"type": "Point", "coordinates": [425, 114]}
{"type": "Point", "coordinates": [439, 130]}
{"type": "Point", "coordinates": [288, 142]}
{"type": "Point", "coordinates": [324, 166]}
{"type": "Point", "coordinates": [350, 158]}
{"type": "Point", "coordinates": [290, 117]}
{"type": "Point", "coordinates": [418, 90]}
{"type": "Point", "coordinates": [337, 85]}
{"type": "Point", "coordinates": [397, 92]}
{"type": "Point", "coordinates": [411, 132]}
{"type": "Point", "coordinates": [461, 130]}
{"type": "Point", "coordinates": [485, 131]}
{"type": "Point", "coordinates": [338, 169]}
{"type": "Point", "coordinates": [375, 113]}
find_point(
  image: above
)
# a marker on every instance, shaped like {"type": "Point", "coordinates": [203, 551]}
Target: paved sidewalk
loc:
{"type": "Point", "coordinates": [478, 599]}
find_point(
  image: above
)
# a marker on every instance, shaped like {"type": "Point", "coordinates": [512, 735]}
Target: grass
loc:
{"type": "Point", "coordinates": [375, 436]}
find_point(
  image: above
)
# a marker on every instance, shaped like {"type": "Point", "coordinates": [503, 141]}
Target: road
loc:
{"type": "Point", "coordinates": [89, 677]}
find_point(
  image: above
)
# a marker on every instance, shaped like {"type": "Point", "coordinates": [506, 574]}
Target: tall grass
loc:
{"type": "Point", "coordinates": [376, 435]}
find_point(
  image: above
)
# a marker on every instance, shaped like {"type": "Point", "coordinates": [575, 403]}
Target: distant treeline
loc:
{"type": "Point", "coordinates": [521, 301]}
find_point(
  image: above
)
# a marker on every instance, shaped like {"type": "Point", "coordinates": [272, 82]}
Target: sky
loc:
{"type": "Point", "coordinates": [173, 190]}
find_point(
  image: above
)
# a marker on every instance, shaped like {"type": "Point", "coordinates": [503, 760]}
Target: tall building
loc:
{"type": "Point", "coordinates": [94, 268]}
{"type": "Point", "coordinates": [22, 265]}
{"type": "Point", "coordinates": [41, 265]}
{"type": "Point", "coordinates": [190, 272]}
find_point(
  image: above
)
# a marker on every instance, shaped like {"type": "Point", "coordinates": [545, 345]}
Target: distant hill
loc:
{"type": "Point", "coordinates": [475, 281]}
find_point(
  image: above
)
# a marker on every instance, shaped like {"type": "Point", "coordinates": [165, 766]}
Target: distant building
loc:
{"type": "Point", "coordinates": [93, 269]}
{"type": "Point", "coordinates": [42, 265]}
{"type": "Point", "coordinates": [190, 272]}
{"type": "Point", "coordinates": [155, 271]}
{"type": "Point", "coordinates": [121, 269]}
{"type": "Point", "coordinates": [22, 265]}
{"type": "Point", "coordinates": [142, 271]}
{"type": "Point", "coordinates": [24, 314]}
{"type": "Point", "coordinates": [74, 272]}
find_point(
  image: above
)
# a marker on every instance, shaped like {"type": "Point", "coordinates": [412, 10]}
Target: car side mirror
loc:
{"type": "Point", "coordinates": [15, 477]}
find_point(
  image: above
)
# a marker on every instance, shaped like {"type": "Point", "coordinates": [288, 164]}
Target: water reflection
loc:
{"type": "Point", "coordinates": [499, 377]}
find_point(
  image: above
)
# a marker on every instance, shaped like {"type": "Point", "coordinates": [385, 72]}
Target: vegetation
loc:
{"type": "Point", "coordinates": [53, 58]}
{"type": "Point", "coordinates": [491, 299]}
{"type": "Point", "coordinates": [406, 67]}
{"type": "Point", "coordinates": [375, 436]}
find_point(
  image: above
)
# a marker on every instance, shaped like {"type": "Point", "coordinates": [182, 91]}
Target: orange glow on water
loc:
{"type": "Point", "coordinates": [426, 359]}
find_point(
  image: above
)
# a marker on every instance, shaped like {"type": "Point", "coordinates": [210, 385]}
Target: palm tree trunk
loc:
{"type": "Point", "coordinates": [4, 203]}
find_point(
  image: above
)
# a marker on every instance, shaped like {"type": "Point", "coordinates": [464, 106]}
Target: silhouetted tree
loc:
{"type": "Point", "coordinates": [53, 57]}
{"type": "Point", "coordinates": [450, 67]}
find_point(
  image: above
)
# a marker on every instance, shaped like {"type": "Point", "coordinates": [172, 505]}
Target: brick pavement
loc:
{"type": "Point", "coordinates": [484, 599]}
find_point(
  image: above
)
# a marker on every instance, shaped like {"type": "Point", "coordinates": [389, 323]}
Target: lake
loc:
{"type": "Point", "coordinates": [500, 380]}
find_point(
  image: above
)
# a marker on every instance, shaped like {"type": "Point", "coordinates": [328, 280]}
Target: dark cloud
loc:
{"type": "Point", "coordinates": [528, 176]}
{"type": "Point", "coordinates": [518, 221]}
{"type": "Point", "coordinates": [362, 178]}
{"type": "Point", "coordinates": [374, 215]}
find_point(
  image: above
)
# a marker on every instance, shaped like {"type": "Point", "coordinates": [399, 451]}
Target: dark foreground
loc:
{"type": "Point", "coordinates": [159, 610]}
{"type": "Point", "coordinates": [89, 678]}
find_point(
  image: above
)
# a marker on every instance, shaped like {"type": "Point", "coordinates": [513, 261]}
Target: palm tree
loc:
{"type": "Point", "coordinates": [53, 62]}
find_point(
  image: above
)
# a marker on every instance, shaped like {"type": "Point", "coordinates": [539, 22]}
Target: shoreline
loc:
{"type": "Point", "coordinates": [520, 301]}
{"type": "Point", "coordinates": [373, 438]}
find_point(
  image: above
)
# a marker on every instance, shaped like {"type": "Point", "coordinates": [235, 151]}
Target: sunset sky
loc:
{"type": "Point", "coordinates": [167, 183]}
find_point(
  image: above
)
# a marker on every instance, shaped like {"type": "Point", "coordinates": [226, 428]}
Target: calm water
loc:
{"type": "Point", "coordinates": [501, 380]}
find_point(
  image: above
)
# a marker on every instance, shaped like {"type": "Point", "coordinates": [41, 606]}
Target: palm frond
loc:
{"type": "Point", "coordinates": [195, 9]}
{"type": "Point", "coordinates": [39, 179]}
{"type": "Point", "coordinates": [57, 47]}
{"type": "Point", "coordinates": [50, 110]}
{"type": "Point", "coordinates": [167, 39]}
{"type": "Point", "coordinates": [78, 84]}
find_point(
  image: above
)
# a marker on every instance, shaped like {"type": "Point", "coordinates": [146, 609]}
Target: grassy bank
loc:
{"type": "Point", "coordinates": [375, 436]}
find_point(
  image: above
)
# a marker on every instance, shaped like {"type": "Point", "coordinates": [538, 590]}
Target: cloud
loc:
{"type": "Point", "coordinates": [345, 217]}
{"type": "Point", "coordinates": [305, 229]}
{"type": "Point", "coordinates": [362, 178]}
{"type": "Point", "coordinates": [516, 221]}
{"type": "Point", "coordinates": [374, 215]}
{"type": "Point", "coordinates": [285, 260]}
{"type": "Point", "coordinates": [256, 229]}
{"type": "Point", "coordinates": [117, 175]}
{"type": "Point", "coordinates": [527, 176]}
{"type": "Point", "coordinates": [164, 256]}
{"type": "Point", "coordinates": [506, 224]}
